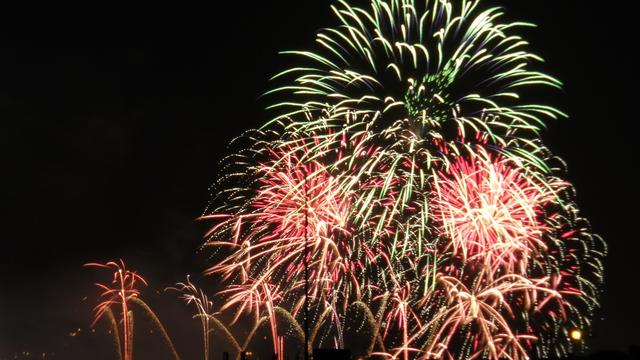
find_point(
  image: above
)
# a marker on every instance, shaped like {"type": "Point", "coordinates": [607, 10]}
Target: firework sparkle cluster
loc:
{"type": "Point", "coordinates": [404, 174]}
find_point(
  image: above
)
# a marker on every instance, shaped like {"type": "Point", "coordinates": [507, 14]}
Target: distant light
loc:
{"type": "Point", "coordinates": [576, 334]}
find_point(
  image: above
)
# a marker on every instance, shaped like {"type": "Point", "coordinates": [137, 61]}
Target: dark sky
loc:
{"type": "Point", "coordinates": [113, 118]}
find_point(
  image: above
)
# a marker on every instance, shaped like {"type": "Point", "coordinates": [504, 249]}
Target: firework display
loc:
{"type": "Point", "coordinates": [404, 173]}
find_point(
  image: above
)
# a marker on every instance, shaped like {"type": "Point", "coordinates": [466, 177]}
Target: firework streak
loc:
{"type": "Point", "coordinates": [404, 167]}
{"type": "Point", "coordinates": [196, 297]}
{"type": "Point", "coordinates": [119, 292]}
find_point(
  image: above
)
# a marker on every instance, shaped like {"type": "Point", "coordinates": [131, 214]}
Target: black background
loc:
{"type": "Point", "coordinates": [113, 118]}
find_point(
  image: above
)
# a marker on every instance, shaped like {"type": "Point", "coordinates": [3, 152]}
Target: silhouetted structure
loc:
{"type": "Point", "coordinates": [632, 354]}
{"type": "Point", "coordinates": [331, 354]}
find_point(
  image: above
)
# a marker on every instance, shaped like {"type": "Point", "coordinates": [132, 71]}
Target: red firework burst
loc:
{"type": "Point", "coordinates": [489, 209]}
{"type": "Point", "coordinates": [299, 210]}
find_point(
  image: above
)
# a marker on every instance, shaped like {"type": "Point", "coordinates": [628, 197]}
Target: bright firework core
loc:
{"type": "Point", "coordinates": [489, 208]}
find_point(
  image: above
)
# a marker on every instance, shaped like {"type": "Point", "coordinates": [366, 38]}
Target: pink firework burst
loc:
{"type": "Point", "coordinates": [483, 311]}
{"type": "Point", "coordinates": [489, 209]}
{"type": "Point", "coordinates": [300, 209]}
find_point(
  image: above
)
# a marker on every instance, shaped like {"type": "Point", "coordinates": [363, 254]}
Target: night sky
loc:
{"type": "Point", "coordinates": [113, 118]}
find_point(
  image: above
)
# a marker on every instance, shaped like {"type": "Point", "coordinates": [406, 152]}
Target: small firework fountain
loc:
{"type": "Point", "coordinates": [122, 292]}
{"type": "Point", "coordinates": [403, 174]}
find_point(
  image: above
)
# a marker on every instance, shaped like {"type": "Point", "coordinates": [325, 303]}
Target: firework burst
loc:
{"type": "Point", "coordinates": [488, 208]}
{"type": "Point", "coordinates": [404, 167]}
{"type": "Point", "coordinates": [481, 321]}
{"type": "Point", "coordinates": [297, 205]}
